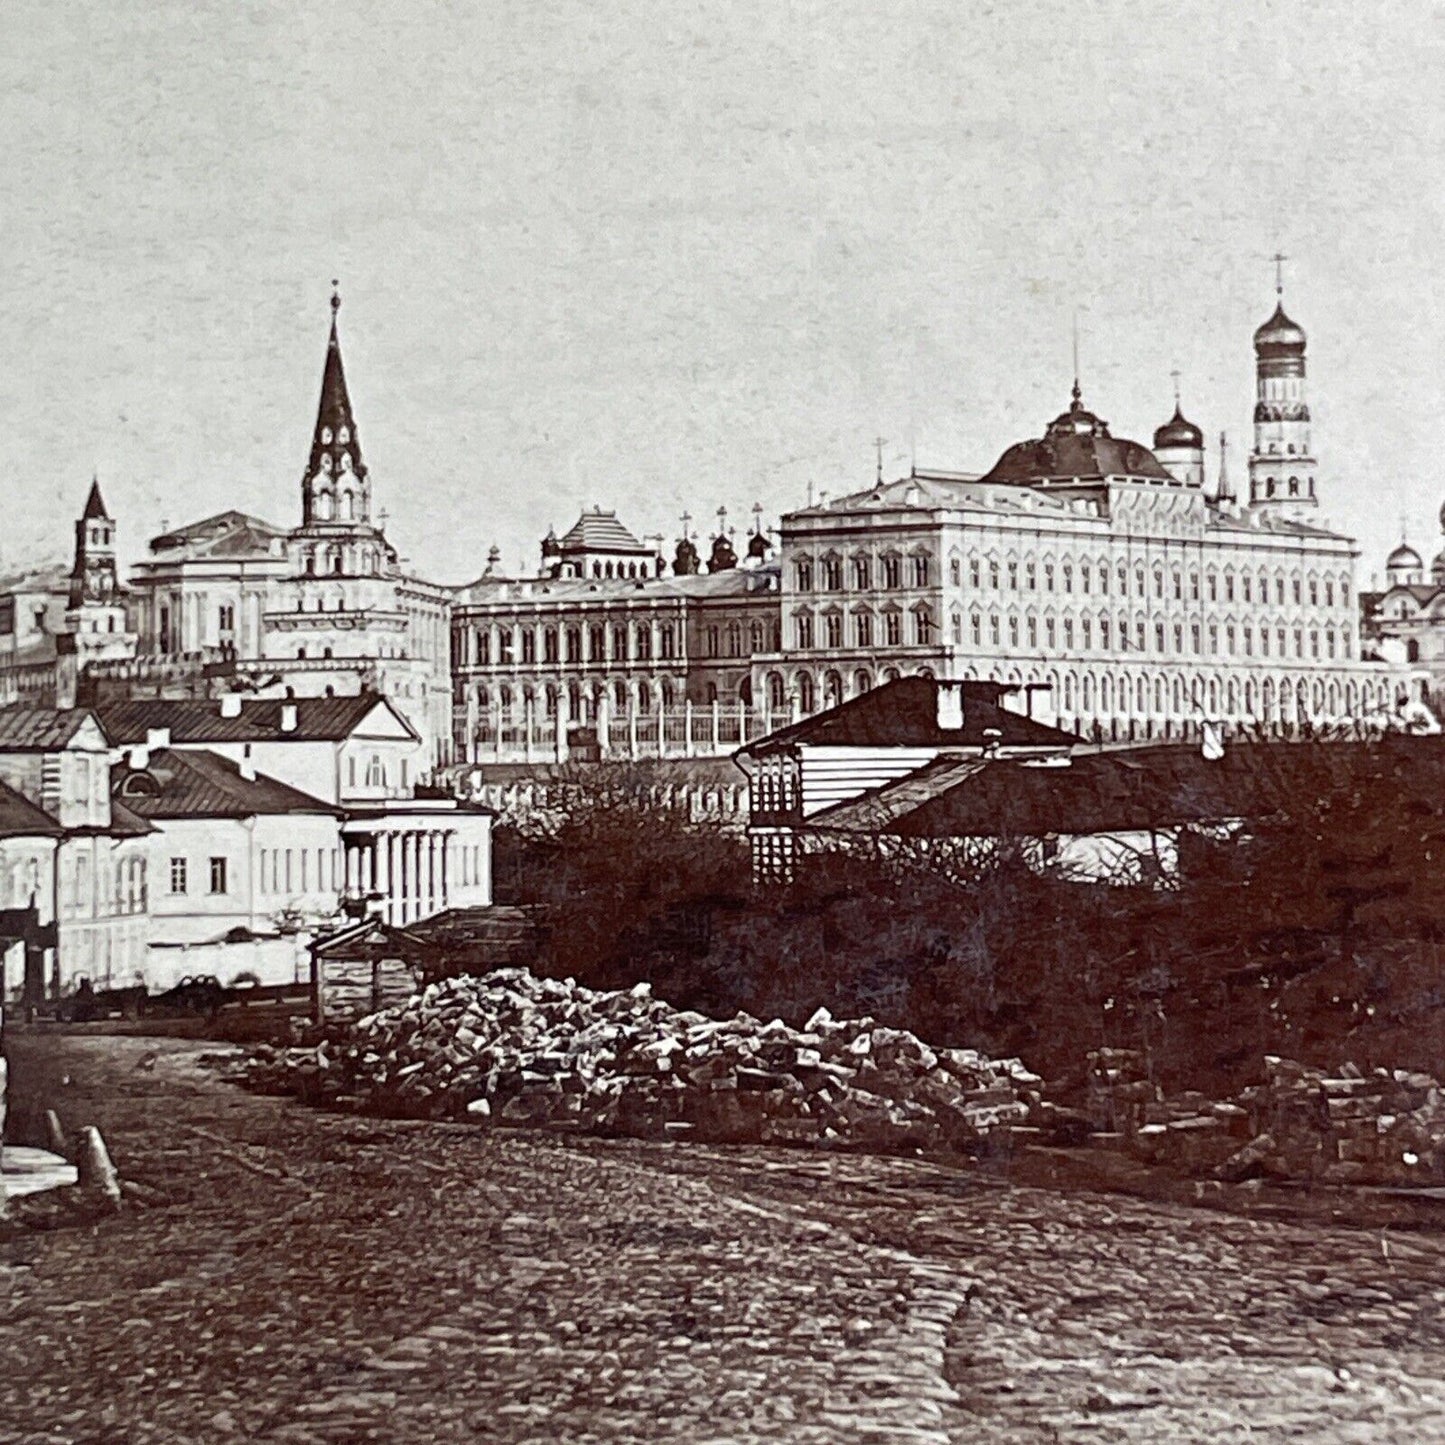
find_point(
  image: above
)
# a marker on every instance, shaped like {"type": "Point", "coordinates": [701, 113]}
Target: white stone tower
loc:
{"type": "Point", "coordinates": [1282, 464]}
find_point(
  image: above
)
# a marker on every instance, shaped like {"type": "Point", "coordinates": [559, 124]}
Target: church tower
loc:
{"type": "Point", "coordinates": [93, 578]}
{"type": "Point", "coordinates": [337, 537]}
{"type": "Point", "coordinates": [1282, 464]}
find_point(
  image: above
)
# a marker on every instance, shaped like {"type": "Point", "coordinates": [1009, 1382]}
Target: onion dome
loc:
{"type": "Point", "coordinates": [758, 546]}
{"type": "Point", "coordinates": [1279, 336]}
{"type": "Point", "coordinates": [1178, 432]}
{"type": "Point", "coordinates": [1437, 567]}
{"type": "Point", "coordinates": [1403, 559]}
{"type": "Point", "coordinates": [685, 560]}
{"type": "Point", "coordinates": [550, 545]}
{"type": "Point", "coordinates": [722, 556]}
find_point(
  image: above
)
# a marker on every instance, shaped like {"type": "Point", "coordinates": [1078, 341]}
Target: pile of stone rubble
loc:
{"type": "Point", "coordinates": [512, 1048]}
{"type": "Point", "coordinates": [1349, 1126]}
{"type": "Point", "coordinates": [1343, 1127]}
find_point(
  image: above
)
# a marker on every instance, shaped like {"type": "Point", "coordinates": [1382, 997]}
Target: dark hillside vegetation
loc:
{"type": "Point", "coordinates": [1319, 936]}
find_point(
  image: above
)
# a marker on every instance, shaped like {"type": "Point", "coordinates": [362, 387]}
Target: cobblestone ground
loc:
{"type": "Point", "coordinates": [314, 1277]}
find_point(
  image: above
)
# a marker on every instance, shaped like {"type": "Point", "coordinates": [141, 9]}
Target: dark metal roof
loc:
{"type": "Point", "coordinates": [1128, 790]}
{"type": "Point", "coordinates": [20, 818]}
{"type": "Point", "coordinates": [200, 784]}
{"type": "Point", "coordinates": [1179, 431]}
{"type": "Point", "coordinates": [334, 438]}
{"type": "Point", "coordinates": [39, 729]}
{"type": "Point", "coordinates": [318, 719]}
{"type": "Point", "coordinates": [904, 714]}
{"type": "Point", "coordinates": [1076, 447]}
{"type": "Point", "coordinates": [94, 504]}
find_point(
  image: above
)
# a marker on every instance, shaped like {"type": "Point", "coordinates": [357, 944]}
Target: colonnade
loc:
{"type": "Point", "coordinates": [409, 868]}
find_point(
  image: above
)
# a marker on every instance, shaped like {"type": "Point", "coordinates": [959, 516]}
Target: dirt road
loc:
{"type": "Point", "coordinates": [315, 1277]}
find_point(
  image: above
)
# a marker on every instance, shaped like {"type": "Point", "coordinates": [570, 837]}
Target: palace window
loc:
{"type": "Point", "coordinates": [1213, 584]}
{"type": "Point", "coordinates": [549, 645]}
{"type": "Point", "coordinates": [529, 645]}
{"type": "Point", "coordinates": [1013, 631]}
{"type": "Point", "coordinates": [596, 643]}
{"type": "Point", "coordinates": [574, 644]}
{"type": "Point", "coordinates": [1031, 579]}
{"type": "Point", "coordinates": [804, 624]}
{"type": "Point", "coordinates": [833, 628]}
{"type": "Point", "coordinates": [218, 875]}
{"type": "Point", "coordinates": [1179, 637]}
{"type": "Point", "coordinates": [227, 617]}
{"type": "Point", "coordinates": [1033, 631]}
{"type": "Point", "coordinates": [643, 640]}
{"type": "Point", "coordinates": [1299, 644]}
{"type": "Point", "coordinates": [178, 875]}
{"type": "Point", "coordinates": [735, 639]}
{"type": "Point", "coordinates": [863, 629]}
{"type": "Point", "coordinates": [804, 573]}
{"type": "Point", "coordinates": [1314, 643]}
{"type": "Point", "coordinates": [712, 639]}
{"type": "Point", "coordinates": [861, 570]}
{"type": "Point", "coordinates": [1229, 639]}
{"type": "Point", "coordinates": [1048, 576]}
{"type": "Point", "coordinates": [1194, 636]}
{"type": "Point", "coordinates": [1329, 593]}
{"type": "Point", "coordinates": [1104, 632]}
{"type": "Point", "coordinates": [1178, 586]}
{"type": "Point", "coordinates": [1245, 583]}
{"type": "Point", "coordinates": [619, 642]}
{"type": "Point", "coordinates": [893, 628]}
{"type": "Point", "coordinates": [1068, 575]}
{"type": "Point", "coordinates": [504, 646]}
{"type": "Point", "coordinates": [920, 571]}
{"type": "Point", "coordinates": [1314, 593]}
{"type": "Point", "coordinates": [1249, 641]}
{"type": "Point", "coordinates": [923, 627]}
{"type": "Point", "coordinates": [1264, 642]}
{"type": "Point", "coordinates": [755, 639]}
{"type": "Point", "coordinates": [1013, 576]}
{"type": "Point", "coordinates": [993, 574]}
{"type": "Point", "coordinates": [973, 572]}
{"type": "Point", "coordinates": [957, 628]}
{"type": "Point", "coordinates": [483, 639]}
{"type": "Point", "coordinates": [1213, 637]}
{"type": "Point", "coordinates": [993, 629]}
{"type": "Point", "coordinates": [955, 572]}
{"type": "Point", "coordinates": [891, 572]}
{"type": "Point", "coordinates": [1295, 587]}
{"type": "Point", "coordinates": [1158, 637]}
{"type": "Point", "coordinates": [1068, 634]}
{"type": "Point", "coordinates": [1086, 628]}
{"type": "Point", "coordinates": [1194, 586]}
{"type": "Point", "coordinates": [667, 641]}
{"type": "Point", "coordinates": [832, 574]}
{"type": "Point", "coordinates": [976, 629]}
{"type": "Point", "coordinates": [1138, 635]}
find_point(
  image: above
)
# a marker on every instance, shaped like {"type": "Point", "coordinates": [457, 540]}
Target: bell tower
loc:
{"type": "Point", "coordinates": [1282, 465]}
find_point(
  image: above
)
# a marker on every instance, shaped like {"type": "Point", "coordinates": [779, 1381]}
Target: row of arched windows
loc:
{"type": "Point", "coordinates": [863, 571]}
{"type": "Point", "coordinates": [861, 628]}
{"type": "Point", "coordinates": [1090, 576]}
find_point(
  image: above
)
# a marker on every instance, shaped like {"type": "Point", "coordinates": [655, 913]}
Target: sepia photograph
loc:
{"type": "Point", "coordinates": [722, 723]}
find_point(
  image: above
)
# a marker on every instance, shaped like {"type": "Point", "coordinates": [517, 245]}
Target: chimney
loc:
{"type": "Point", "coordinates": [950, 705]}
{"type": "Point", "coordinates": [991, 738]}
{"type": "Point", "coordinates": [288, 717]}
{"type": "Point", "coordinates": [157, 738]}
{"type": "Point", "coordinates": [230, 704]}
{"type": "Point", "coordinates": [139, 758]}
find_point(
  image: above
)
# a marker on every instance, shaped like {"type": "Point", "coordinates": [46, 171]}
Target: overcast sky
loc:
{"type": "Point", "coordinates": [679, 255]}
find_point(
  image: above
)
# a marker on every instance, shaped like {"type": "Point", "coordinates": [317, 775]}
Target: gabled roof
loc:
{"type": "Point", "coordinates": [201, 784]}
{"type": "Point", "coordinates": [599, 531]}
{"type": "Point", "coordinates": [318, 719]}
{"type": "Point", "coordinates": [46, 729]}
{"type": "Point", "coordinates": [904, 714]}
{"type": "Point", "coordinates": [20, 818]}
{"type": "Point", "coordinates": [227, 534]}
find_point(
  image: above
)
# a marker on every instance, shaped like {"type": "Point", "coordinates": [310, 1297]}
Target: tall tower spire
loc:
{"type": "Point", "coordinates": [94, 577]}
{"type": "Point", "coordinates": [1282, 463]}
{"type": "Point", "coordinates": [335, 488]}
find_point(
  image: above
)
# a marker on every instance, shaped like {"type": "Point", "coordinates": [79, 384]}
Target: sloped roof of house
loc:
{"type": "Point", "coordinates": [1123, 790]}
{"type": "Point", "coordinates": [199, 720]}
{"type": "Point", "coordinates": [201, 784]}
{"type": "Point", "coordinates": [40, 729]}
{"type": "Point", "coordinates": [20, 818]}
{"type": "Point", "coordinates": [904, 714]}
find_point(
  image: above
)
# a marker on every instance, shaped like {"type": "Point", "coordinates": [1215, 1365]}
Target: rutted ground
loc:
{"type": "Point", "coordinates": [328, 1278]}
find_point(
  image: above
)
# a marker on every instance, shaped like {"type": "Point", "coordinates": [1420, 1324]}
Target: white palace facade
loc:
{"type": "Point", "coordinates": [1134, 601]}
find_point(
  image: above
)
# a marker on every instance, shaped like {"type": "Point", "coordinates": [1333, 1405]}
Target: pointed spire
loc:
{"type": "Point", "coordinates": [878, 442]}
{"type": "Point", "coordinates": [335, 447]}
{"type": "Point", "coordinates": [1225, 491]}
{"type": "Point", "coordinates": [94, 504]}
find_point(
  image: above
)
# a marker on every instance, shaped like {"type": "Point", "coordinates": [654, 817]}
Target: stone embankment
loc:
{"type": "Point", "coordinates": [512, 1048]}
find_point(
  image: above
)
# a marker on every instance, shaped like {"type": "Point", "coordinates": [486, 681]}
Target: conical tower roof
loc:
{"type": "Point", "coordinates": [94, 504]}
{"type": "Point", "coordinates": [335, 446]}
